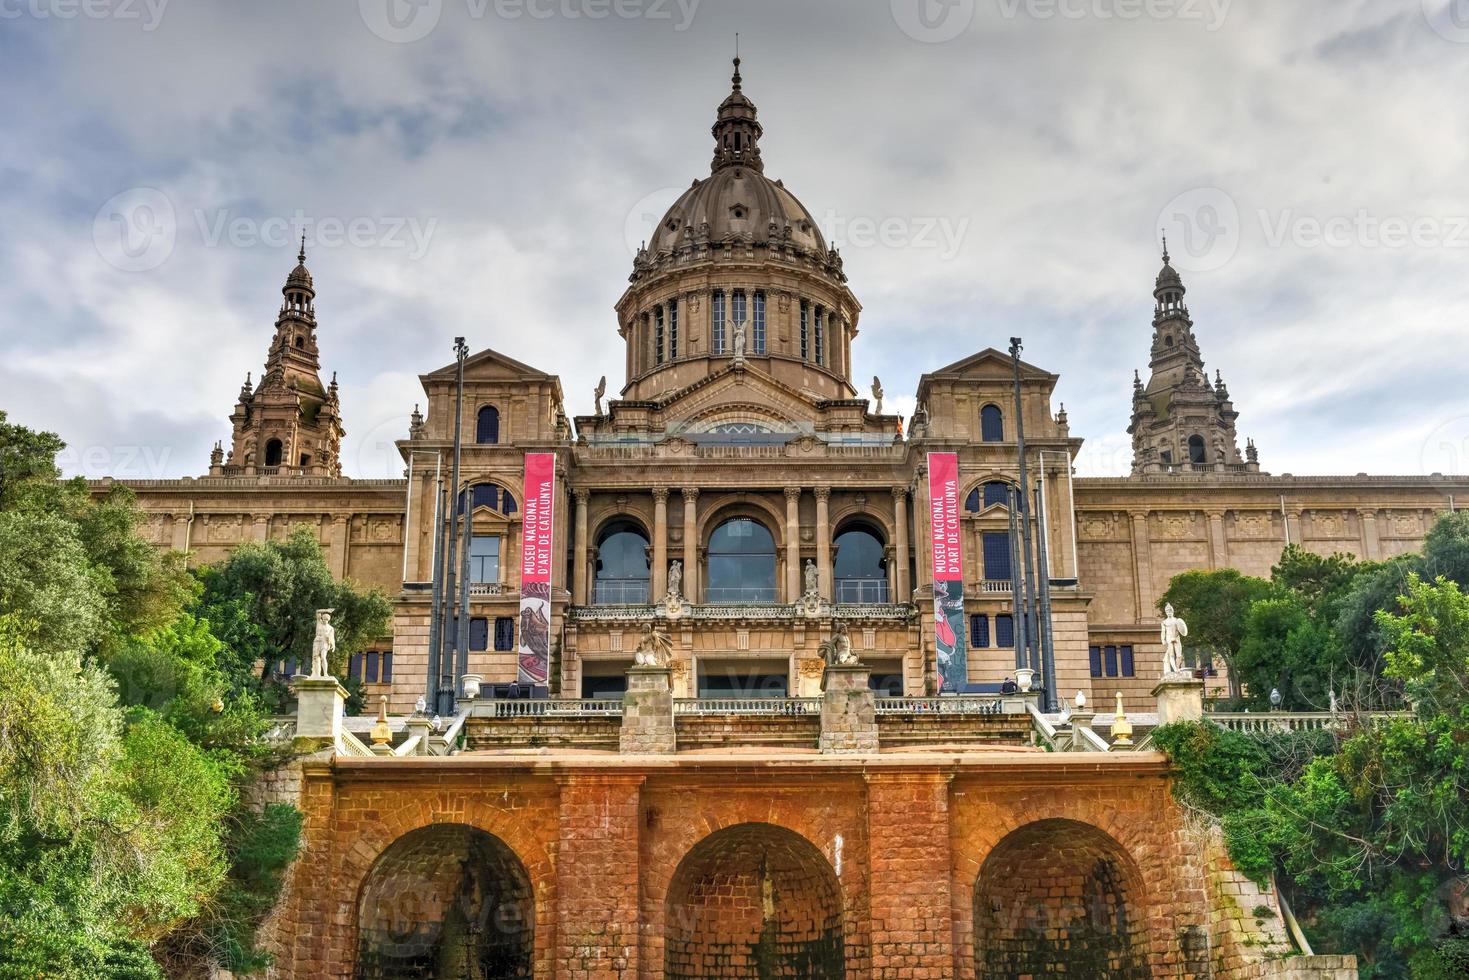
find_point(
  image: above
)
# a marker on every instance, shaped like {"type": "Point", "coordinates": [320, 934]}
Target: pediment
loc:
{"type": "Point", "coordinates": [988, 365]}
{"type": "Point", "coordinates": [489, 365]}
{"type": "Point", "coordinates": [731, 397]}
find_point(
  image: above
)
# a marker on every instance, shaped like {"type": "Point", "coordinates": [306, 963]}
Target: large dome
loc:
{"type": "Point", "coordinates": [737, 204]}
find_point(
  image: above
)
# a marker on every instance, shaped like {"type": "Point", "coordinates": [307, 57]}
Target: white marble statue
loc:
{"type": "Point", "coordinates": [841, 654]}
{"type": "Point", "coordinates": [738, 349]}
{"type": "Point", "coordinates": [655, 649]}
{"type": "Point", "coordinates": [675, 578]}
{"type": "Point", "coordinates": [813, 578]}
{"type": "Point", "coordinates": [1172, 631]}
{"type": "Point", "coordinates": [323, 645]}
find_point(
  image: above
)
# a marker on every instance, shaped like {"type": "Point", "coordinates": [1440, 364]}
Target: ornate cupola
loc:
{"type": "Point", "coordinates": [290, 424]}
{"type": "Point", "coordinates": [1181, 422]}
{"type": "Point", "coordinates": [736, 130]}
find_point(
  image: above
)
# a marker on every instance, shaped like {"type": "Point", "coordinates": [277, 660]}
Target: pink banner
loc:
{"type": "Point", "coordinates": [948, 571]}
{"type": "Point", "coordinates": [537, 551]}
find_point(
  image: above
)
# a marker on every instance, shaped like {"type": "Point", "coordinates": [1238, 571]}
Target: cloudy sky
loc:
{"type": "Point", "coordinates": [989, 168]}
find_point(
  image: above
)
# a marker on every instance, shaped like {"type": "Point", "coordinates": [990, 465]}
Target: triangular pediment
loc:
{"type": "Point", "coordinates": [488, 365]}
{"type": "Point", "coordinates": [989, 364]}
{"type": "Point", "coordinates": [730, 394]}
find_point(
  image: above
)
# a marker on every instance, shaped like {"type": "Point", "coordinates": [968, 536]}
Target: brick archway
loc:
{"type": "Point", "coordinates": [1060, 898]}
{"type": "Point", "coordinates": [754, 900]}
{"type": "Point", "coordinates": [446, 900]}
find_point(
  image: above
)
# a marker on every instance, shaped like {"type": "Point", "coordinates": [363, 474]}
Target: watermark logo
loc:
{"type": "Point", "coordinates": [933, 21]}
{"type": "Point", "coordinates": [1203, 229]}
{"type": "Point", "coordinates": [1210, 13]}
{"type": "Point", "coordinates": [1363, 229]}
{"type": "Point", "coordinates": [401, 21]}
{"type": "Point", "coordinates": [148, 13]}
{"type": "Point", "coordinates": [1449, 20]}
{"type": "Point", "coordinates": [135, 231]}
{"type": "Point", "coordinates": [941, 234]}
{"type": "Point", "coordinates": [223, 227]}
{"type": "Point", "coordinates": [1446, 450]}
{"type": "Point", "coordinates": [641, 224]}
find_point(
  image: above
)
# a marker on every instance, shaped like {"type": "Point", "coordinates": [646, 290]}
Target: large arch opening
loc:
{"type": "Point", "coordinates": [622, 575]}
{"type": "Point", "coordinates": [753, 901]}
{"type": "Point", "coordinates": [1059, 898]}
{"type": "Point", "coordinates": [446, 901]}
{"type": "Point", "coordinates": [860, 571]}
{"type": "Point", "coordinates": [741, 562]}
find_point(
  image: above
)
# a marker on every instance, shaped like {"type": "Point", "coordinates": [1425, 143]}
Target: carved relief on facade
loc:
{"type": "Point", "coordinates": [1253, 525]}
{"type": "Point", "coordinates": [1406, 524]}
{"type": "Point", "coordinates": [1328, 524]}
{"type": "Point", "coordinates": [1097, 527]}
{"type": "Point", "coordinates": [1176, 527]}
{"type": "Point", "coordinates": [226, 529]}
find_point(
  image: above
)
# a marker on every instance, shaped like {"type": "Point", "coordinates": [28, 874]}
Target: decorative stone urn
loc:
{"type": "Point", "coordinates": [1024, 679]}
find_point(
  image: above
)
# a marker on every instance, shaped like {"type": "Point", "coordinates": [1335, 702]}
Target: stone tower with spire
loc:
{"type": "Point", "coordinates": [290, 424]}
{"type": "Point", "coordinates": [1182, 422]}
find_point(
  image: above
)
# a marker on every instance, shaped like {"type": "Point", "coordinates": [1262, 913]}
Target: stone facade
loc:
{"type": "Point", "coordinates": [740, 449]}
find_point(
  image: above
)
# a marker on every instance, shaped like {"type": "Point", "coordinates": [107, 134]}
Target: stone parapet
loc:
{"type": "Point", "coordinates": [647, 712]}
{"type": "Point", "coordinates": [848, 710]}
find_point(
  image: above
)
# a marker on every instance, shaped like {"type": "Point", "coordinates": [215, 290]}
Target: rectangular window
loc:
{"type": "Point", "coordinates": [388, 667]}
{"type": "Point", "coordinates": [504, 633]}
{"type": "Point", "coordinates": [820, 336]}
{"type": "Point", "coordinates": [479, 633]}
{"type": "Point", "coordinates": [737, 306]}
{"type": "Point", "coordinates": [979, 632]}
{"type": "Point", "coordinates": [370, 664]}
{"type": "Point", "coordinates": [1094, 654]}
{"type": "Point", "coordinates": [658, 335]}
{"type": "Point", "coordinates": [1005, 632]}
{"type": "Point", "coordinates": [759, 331]}
{"type": "Point", "coordinates": [1127, 665]}
{"type": "Point", "coordinates": [996, 556]}
{"type": "Point", "coordinates": [805, 331]}
{"type": "Point", "coordinates": [673, 330]}
{"type": "Point", "coordinates": [1109, 661]}
{"type": "Point", "coordinates": [716, 323]}
{"type": "Point", "coordinates": [354, 667]}
{"type": "Point", "coordinates": [484, 559]}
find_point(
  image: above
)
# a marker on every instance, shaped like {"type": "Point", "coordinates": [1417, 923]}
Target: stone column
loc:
{"type": "Point", "coordinates": [260, 527]}
{"type": "Point", "coordinates": [1293, 526]}
{"type": "Point", "coordinates": [1218, 554]}
{"type": "Point", "coordinates": [690, 543]}
{"type": "Point", "coordinates": [900, 522]}
{"type": "Point", "coordinates": [1371, 541]}
{"type": "Point", "coordinates": [911, 874]}
{"type": "Point", "coordinates": [793, 543]}
{"type": "Point", "coordinates": [597, 876]}
{"type": "Point", "coordinates": [1142, 566]}
{"type": "Point", "coordinates": [181, 532]}
{"type": "Point", "coordinates": [823, 543]}
{"type": "Point", "coordinates": [579, 562]}
{"type": "Point", "coordinates": [848, 710]}
{"type": "Point", "coordinates": [660, 542]}
{"type": "Point", "coordinates": [647, 712]}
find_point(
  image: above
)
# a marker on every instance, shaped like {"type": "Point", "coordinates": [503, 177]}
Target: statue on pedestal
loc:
{"type": "Point", "coordinates": [1172, 632]}
{"type": "Point", "coordinates": [655, 649]}
{"type": "Point", "coordinates": [598, 393]}
{"type": "Point", "coordinates": [324, 644]}
{"type": "Point", "coordinates": [739, 343]}
{"type": "Point", "coordinates": [813, 579]}
{"type": "Point", "coordinates": [877, 395]}
{"type": "Point", "coordinates": [675, 579]}
{"type": "Point", "coordinates": [839, 647]}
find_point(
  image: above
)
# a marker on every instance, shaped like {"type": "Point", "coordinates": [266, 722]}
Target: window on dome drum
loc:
{"type": "Point", "coordinates": [996, 556]}
{"type": "Point", "coordinates": [805, 329]}
{"type": "Point", "coordinates": [860, 569]}
{"type": "Point", "coordinates": [273, 453]}
{"type": "Point", "coordinates": [979, 631]}
{"type": "Point", "coordinates": [716, 323]}
{"type": "Point", "coordinates": [737, 307]}
{"type": "Point", "coordinates": [504, 633]}
{"type": "Point", "coordinates": [673, 330]}
{"type": "Point", "coordinates": [820, 338]}
{"type": "Point", "coordinates": [657, 335]}
{"type": "Point", "coordinates": [484, 559]}
{"type": "Point", "coordinates": [991, 424]}
{"type": "Point", "coordinates": [487, 426]}
{"type": "Point", "coordinates": [623, 574]}
{"type": "Point", "coordinates": [759, 331]}
{"type": "Point", "coordinates": [1005, 632]}
{"type": "Point", "coordinates": [741, 563]}
{"type": "Point", "coordinates": [1196, 451]}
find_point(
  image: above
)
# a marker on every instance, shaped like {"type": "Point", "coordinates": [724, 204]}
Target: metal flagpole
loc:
{"type": "Point", "coordinates": [1027, 625]}
{"type": "Point", "coordinates": [436, 576]}
{"type": "Point", "coordinates": [1048, 649]}
{"type": "Point", "coordinates": [448, 692]}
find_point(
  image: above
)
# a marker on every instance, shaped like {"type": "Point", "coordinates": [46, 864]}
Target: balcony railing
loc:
{"type": "Point", "coordinates": [940, 706]}
{"type": "Point", "coordinates": [740, 594]}
{"type": "Point", "coordinates": [1294, 721]}
{"type": "Point", "coordinates": [870, 590]}
{"type": "Point", "coordinates": [996, 587]}
{"type": "Point", "coordinates": [549, 708]}
{"type": "Point", "coordinates": [620, 592]}
{"type": "Point", "coordinates": [747, 706]}
{"type": "Point", "coordinates": [486, 588]}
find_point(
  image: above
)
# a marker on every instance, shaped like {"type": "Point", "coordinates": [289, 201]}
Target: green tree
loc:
{"type": "Point", "coordinates": [1215, 605]}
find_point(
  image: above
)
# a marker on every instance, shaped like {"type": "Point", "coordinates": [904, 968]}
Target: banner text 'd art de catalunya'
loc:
{"type": "Point", "coordinates": [948, 571]}
{"type": "Point", "coordinates": [537, 548]}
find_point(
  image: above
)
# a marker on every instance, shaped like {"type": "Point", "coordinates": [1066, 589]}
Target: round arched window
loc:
{"type": "Point", "coordinates": [623, 573]}
{"type": "Point", "coordinates": [741, 562]}
{"type": "Point", "coordinates": [860, 568]}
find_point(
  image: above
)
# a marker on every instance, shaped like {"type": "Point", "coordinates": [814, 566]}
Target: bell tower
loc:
{"type": "Point", "coordinates": [290, 424]}
{"type": "Point", "coordinates": [1180, 421]}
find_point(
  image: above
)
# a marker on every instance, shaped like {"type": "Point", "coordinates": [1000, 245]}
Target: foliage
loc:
{"type": "Point", "coordinates": [1215, 605]}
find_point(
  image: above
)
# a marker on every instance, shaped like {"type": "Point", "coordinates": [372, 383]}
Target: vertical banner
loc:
{"type": "Point", "coordinates": [948, 571]}
{"type": "Point", "coordinates": [537, 548]}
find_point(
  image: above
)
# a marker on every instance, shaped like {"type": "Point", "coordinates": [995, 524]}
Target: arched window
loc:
{"type": "Point", "coordinates": [487, 426]}
{"type": "Point", "coordinates": [1196, 451]}
{"type": "Point", "coordinates": [741, 562]}
{"type": "Point", "coordinates": [991, 424]}
{"type": "Point", "coordinates": [996, 492]}
{"type": "Point", "coordinates": [972, 502]}
{"type": "Point", "coordinates": [273, 453]}
{"type": "Point", "coordinates": [623, 574]}
{"type": "Point", "coordinates": [860, 568]}
{"type": "Point", "coordinates": [489, 495]}
{"type": "Point", "coordinates": [300, 343]}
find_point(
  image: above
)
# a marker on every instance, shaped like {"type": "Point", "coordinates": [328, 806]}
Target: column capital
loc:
{"type": "Point", "coordinates": [899, 493]}
{"type": "Point", "coordinates": [582, 496]}
{"type": "Point", "coordinates": [690, 494]}
{"type": "Point", "coordinates": [660, 495]}
{"type": "Point", "coordinates": [823, 494]}
{"type": "Point", "coordinates": [1367, 512]}
{"type": "Point", "coordinates": [793, 493]}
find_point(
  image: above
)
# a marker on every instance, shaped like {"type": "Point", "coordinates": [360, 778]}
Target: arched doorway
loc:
{"type": "Point", "coordinates": [446, 901]}
{"type": "Point", "coordinates": [753, 901]}
{"type": "Point", "coordinates": [1059, 898]}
